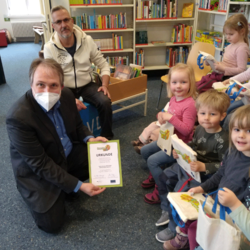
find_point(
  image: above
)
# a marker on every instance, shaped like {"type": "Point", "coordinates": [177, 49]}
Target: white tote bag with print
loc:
{"type": "Point", "coordinates": [215, 229]}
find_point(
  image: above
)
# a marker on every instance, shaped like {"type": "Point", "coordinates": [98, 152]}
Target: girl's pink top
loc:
{"type": "Point", "coordinates": [235, 58]}
{"type": "Point", "coordinates": [184, 116]}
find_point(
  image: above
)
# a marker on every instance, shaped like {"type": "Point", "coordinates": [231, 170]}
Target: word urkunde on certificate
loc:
{"type": "Point", "coordinates": [104, 163]}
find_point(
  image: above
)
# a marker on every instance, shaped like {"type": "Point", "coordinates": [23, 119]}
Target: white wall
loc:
{"type": "Point", "coordinates": [3, 12]}
{"type": "Point", "coordinates": [64, 3]}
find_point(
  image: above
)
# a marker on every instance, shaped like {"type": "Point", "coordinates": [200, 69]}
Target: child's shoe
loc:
{"type": "Point", "coordinates": [165, 235]}
{"type": "Point", "coordinates": [164, 219]}
{"type": "Point", "coordinates": [138, 149]}
{"type": "Point", "coordinates": [149, 182]}
{"type": "Point", "coordinates": [179, 242]}
{"type": "Point", "coordinates": [137, 142]}
{"type": "Point", "coordinates": [153, 198]}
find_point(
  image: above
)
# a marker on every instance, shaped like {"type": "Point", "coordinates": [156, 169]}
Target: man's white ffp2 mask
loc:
{"type": "Point", "coordinates": [47, 99]}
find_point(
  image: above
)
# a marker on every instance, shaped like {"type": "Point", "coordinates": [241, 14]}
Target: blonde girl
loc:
{"type": "Point", "coordinates": [236, 54]}
{"type": "Point", "coordinates": [233, 173]}
{"type": "Point", "coordinates": [181, 114]}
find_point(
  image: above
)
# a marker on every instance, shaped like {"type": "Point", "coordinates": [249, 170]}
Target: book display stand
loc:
{"type": "Point", "coordinates": [124, 90]}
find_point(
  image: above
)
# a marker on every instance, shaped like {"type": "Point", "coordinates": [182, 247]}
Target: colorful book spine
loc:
{"type": "Point", "coordinates": [102, 21]}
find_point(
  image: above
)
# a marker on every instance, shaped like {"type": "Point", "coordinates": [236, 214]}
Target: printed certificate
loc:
{"type": "Point", "coordinates": [105, 163]}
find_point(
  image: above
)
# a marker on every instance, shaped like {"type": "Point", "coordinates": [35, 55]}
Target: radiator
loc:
{"type": "Point", "coordinates": [23, 31]}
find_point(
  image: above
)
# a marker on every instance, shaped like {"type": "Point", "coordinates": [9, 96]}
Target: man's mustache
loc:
{"type": "Point", "coordinates": [62, 29]}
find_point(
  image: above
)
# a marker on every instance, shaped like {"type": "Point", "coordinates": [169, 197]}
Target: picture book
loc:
{"type": "Point", "coordinates": [187, 10]}
{"type": "Point", "coordinates": [186, 155]}
{"type": "Point", "coordinates": [187, 204]}
{"type": "Point", "coordinates": [123, 72]}
{"type": "Point", "coordinates": [214, 5]}
{"type": "Point", "coordinates": [209, 58]}
{"type": "Point", "coordinates": [137, 67]}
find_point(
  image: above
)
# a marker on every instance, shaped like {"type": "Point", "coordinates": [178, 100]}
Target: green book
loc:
{"type": "Point", "coordinates": [141, 37]}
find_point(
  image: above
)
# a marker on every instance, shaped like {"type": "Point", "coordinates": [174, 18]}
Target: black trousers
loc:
{"type": "Point", "coordinates": [2, 76]}
{"type": "Point", "coordinates": [90, 94]}
{"type": "Point", "coordinates": [53, 220]}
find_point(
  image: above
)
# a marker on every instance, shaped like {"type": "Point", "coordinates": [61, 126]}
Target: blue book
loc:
{"type": "Point", "coordinates": [94, 18]}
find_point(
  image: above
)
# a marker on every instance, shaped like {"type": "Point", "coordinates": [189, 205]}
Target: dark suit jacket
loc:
{"type": "Point", "coordinates": [37, 155]}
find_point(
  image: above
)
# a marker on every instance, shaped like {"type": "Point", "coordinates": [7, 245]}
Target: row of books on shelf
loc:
{"type": "Point", "coordinates": [182, 33]}
{"type": "Point", "coordinates": [94, 1]}
{"type": "Point", "coordinates": [113, 60]}
{"type": "Point", "coordinates": [151, 9]}
{"type": "Point", "coordinates": [176, 55]}
{"type": "Point", "coordinates": [125, 72]}
{"type": "Point", "coordinates": [219, 5]}
{"type": "Point", "coordinates": [139, 58]}
{"type": "Point", "coordinates": [117, 21]}
{"type": "Point", "coordinates": [116, 42]}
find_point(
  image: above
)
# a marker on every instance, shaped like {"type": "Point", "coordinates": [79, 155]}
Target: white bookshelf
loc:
{"type": "Point", "coordinates": [161, 29]}
{"type": "Point", "coordinates": [127, 33]}
{"type": "Point", "coordinates": [157, 29]}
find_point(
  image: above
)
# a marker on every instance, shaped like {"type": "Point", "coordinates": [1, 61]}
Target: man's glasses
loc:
{"type": "Point", "coordinates": [59, 22]}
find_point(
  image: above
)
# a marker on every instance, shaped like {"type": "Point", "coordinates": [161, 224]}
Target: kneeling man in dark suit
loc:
{"type": "Point", "coordinates": [48, 146]}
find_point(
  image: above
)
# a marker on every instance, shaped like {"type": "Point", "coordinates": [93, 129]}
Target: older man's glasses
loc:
{"type": "Point", "coordinates": [59, 22]}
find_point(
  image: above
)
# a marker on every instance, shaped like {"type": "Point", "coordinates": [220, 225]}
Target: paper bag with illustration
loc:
{"type": "Point", "coordinates": [164, 139]}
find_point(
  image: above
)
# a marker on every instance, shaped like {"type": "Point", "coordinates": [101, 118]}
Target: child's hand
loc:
{"type": "Point", "coordinates": [197, 166]}
{"type": "Point", "coordinates": [219, 67]}
{"type": "Point", "coordinates": [228, 199]}
{"type": "Point", "coordinates": [175, 155]}
{"type": "Point", "coordinates": [164, 117]}
{"type": "Point", "coordinates": [160, 118]}
{"type": "Point", "coordinates": [196, 190]}
{"type": "Point", "coordinates": [226, 82]}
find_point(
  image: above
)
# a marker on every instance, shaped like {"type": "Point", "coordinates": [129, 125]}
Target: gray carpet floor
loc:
{"type": "Point", "coordinates": [118, 218]}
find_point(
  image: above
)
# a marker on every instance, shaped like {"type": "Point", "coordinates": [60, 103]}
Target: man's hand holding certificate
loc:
{"type": "Point", "coordinates": [105, 163]}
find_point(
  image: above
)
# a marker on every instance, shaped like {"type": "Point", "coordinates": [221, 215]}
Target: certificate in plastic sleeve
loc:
{"type": "Point", "coordinates": [105, 163]}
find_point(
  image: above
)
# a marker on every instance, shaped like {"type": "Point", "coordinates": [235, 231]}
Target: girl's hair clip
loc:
{"type": "Point", "coordinates": [239, 23]}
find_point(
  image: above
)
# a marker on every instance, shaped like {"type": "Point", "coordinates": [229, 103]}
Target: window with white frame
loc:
{"type": "Point", "coordinates": [24, 7]}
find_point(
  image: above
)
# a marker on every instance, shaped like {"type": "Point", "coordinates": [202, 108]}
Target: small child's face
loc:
{"type": "Point", "coordinates": [232, 36]}
{"type": "Point", "coordinates": [241, 139]}
{"type": "Point", "coordinates": [179, 84]}
{"type": "Point", "coordinates": [210, 118]}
